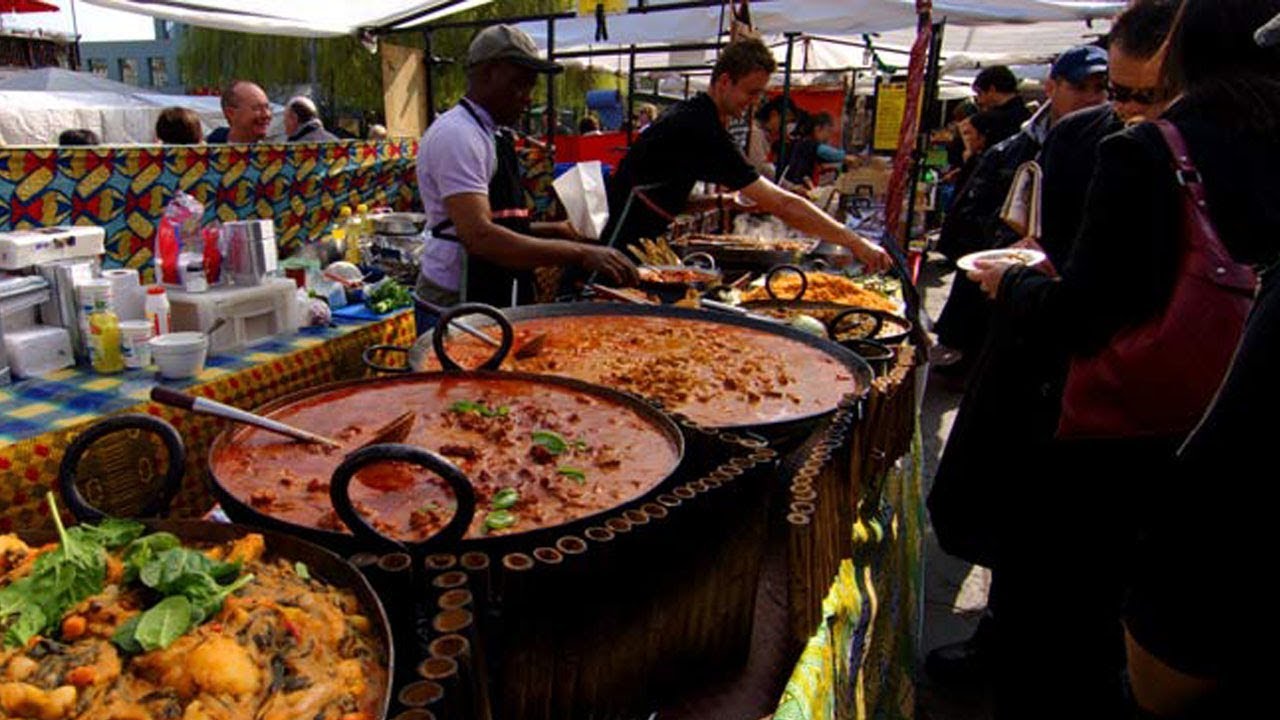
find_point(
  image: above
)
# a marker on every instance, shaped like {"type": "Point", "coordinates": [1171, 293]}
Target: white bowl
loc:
{"type": "Point", "coordinates": [181, 354]}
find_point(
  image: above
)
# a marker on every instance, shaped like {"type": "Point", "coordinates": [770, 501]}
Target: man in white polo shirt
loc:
{"type": "Point", "coordinates": [483, 246]}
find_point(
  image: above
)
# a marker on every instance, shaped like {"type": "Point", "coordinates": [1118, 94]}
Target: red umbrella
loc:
{"type": "Point", "coordinates": [26, 6]}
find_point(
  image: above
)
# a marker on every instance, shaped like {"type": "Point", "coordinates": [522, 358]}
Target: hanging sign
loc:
{"type": "Point", "coordinates": [587, 8]}
{"type": "Point", "coordinates": [891, 107]}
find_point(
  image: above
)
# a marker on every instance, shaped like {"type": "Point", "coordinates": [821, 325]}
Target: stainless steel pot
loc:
{"type": "Point", "coordinates": [399, 223]}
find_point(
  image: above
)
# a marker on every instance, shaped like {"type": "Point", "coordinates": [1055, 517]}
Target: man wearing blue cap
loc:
{"type": "Point", "coordinates": [964, 515]}
{"type": "Point", "coordinates": [1077, 80]}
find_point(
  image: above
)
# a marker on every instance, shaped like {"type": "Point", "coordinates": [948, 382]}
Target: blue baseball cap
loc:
{"type": "Point", "coordinates": [1078, 63]}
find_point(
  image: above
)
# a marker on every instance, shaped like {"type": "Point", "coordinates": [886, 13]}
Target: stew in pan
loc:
{"type": "Point", "coordinates": [538, 454]}
{"type": "Point", "coordinates": [715, 373]}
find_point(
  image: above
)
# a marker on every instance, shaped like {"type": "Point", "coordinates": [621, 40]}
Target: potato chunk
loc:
{"type": "Point", "coordinates": [220, 665]}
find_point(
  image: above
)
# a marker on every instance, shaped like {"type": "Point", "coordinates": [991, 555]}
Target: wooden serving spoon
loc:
{"type": "Point", "coordinates": [393, 432]}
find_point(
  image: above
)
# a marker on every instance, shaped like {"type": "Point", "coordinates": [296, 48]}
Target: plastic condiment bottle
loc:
{"type": "Point", "coordinates": [340, 229]}
{"type": "Point", "coordinates": [157, 309]}
{"type": "Point", "coordinates": [104, 337]}
{"type": "Point", "coordinates": [355, 236]}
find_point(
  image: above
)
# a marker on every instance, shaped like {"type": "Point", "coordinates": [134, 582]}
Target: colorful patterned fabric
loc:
{"type": "Point", "coordinates": [39, 418]}
{"type": "Point", "coordinates": [125, 189]}
{"type": "Point", "coordinates": [860, 663]}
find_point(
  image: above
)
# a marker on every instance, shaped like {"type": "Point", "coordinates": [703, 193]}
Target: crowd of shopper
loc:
{"type": "Point", "coordinates": [1082, 467]}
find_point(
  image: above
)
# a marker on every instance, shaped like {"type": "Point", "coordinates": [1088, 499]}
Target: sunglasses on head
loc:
{"type": "Point", "coordinates": [1123, 93]}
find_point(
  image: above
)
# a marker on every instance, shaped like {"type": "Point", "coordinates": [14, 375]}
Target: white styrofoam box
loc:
{"type": "Point", "coordinates": [38, 350]}
{"type": "Point", "coordinates": [19, 298]}
{"type": "Point", "coordinates": [254, 313]}
{"type": "Point", "coordinates": [24, 248]}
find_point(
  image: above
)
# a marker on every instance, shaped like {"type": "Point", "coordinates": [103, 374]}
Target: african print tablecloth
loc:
{"type": "Point", "coordinates": [125, 189]}
{"type": "Point", "coordinates": [860, 663]}
{"type": "Point", "coordinates": [40, 417]}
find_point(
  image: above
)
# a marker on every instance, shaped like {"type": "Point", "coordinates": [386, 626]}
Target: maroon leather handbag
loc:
{"type": "Point", "coordinates": [1157, 378]}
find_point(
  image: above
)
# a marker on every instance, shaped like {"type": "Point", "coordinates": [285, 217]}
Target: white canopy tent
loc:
{"type": "Point", "coordinates": [833, 18]}
{"type": "Point", "coordinates": [303, 18]}
{"type": "Point", "coordinates": [37, 105]}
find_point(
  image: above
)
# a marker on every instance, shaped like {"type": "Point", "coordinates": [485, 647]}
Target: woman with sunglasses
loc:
{"type": "Point", "coordinates": [1091, 498]}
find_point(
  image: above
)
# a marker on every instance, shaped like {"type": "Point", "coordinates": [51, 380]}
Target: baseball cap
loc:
{"type": "Point", "coordinates": [1079, 62]}
{"type": "Point", "coordinates": [507, 42]}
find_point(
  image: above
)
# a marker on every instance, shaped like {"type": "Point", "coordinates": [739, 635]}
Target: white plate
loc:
{"type": "Point", "coordinates": [1020, 256]}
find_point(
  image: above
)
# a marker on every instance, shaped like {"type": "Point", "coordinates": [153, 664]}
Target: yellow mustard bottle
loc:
{"type": "Point", "coordinates": [105, 353]}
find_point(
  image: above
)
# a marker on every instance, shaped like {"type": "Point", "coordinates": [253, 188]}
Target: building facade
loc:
{"type": "Point", "coordinates": [151, 65]}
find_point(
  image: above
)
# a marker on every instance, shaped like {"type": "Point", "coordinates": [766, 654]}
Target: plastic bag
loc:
{"type": "Point", "coordinates": [585, 201]}
{"type": "Point", "coordinates": [179, 231]}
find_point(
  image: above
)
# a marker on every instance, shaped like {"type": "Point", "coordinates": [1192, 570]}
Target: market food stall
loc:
{"type": "Point", "coordinates": [706, 508]}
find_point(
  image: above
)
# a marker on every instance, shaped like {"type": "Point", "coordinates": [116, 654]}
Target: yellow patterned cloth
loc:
{"type": "Point", "coordinates": [39, 418]}
{"type": "Point", "coordinates": [301, 186]}
{"type": "Point", "coordinates": [860, 662]}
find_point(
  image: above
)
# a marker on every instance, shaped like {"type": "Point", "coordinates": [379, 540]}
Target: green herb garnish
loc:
{"type": "Point", "coordinates": [60, 579]}
{"type": "Point", "coordinates": [505, 498]}
{"type": "Point", "coordinates": [499, 520]}
{"type": "Point", "coordinates": [573, 474]}
{"type": "Point", "coordinates": [553, 442]}
{"type": "Point", "coordinates": [301, 570]}
{"type": "Point", "coordinates": [471, 406]}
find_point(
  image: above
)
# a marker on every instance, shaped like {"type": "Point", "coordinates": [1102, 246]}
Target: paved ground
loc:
{"type": "Point", "coordinates": [955, 591]}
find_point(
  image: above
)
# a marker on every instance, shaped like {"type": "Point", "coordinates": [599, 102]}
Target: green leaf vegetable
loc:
{"type": "Point", "coordinates": [301, 570]}
{"type": "Point", "coordinates": [553, 442]}
{"type": "Point", "coordinates": [387, 296]}
{"type": "Point", "coordinates": [573, 473]}
{"type": "Point", "coordinates": [505, 498]}
{"type": "Point", "coordinates": [61, 578]}
{"type": "Point", "coordinates": [189, 582]}
{"type": "Point", "coordinates": [469, 406]}
{"type": "Point", "coordinates": [499, 520]}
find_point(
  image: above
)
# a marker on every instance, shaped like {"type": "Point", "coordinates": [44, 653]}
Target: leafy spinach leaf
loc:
{"type": "Point", "coordinates": [126, 636]}
{"type": "Point", "coordinates": [171, 568]}
{"type": "Point", "coordinates": [167, 621]}
{"type": "Point", "coordinates": [143, 550]}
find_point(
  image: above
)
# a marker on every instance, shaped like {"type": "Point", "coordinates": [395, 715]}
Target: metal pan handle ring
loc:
{"type": "Point", "coordinates": [159, 506]}
{"type": "Point", "coordinates": [374, 350]}
{"type": "Point", "coordinates": [504, 347]}
{"type": "Point", "coordinates": [777, 270]}
{"type": "Point", "coordinates": [877, 319]}
{"type": "Point", "coordinates": [463, 494]}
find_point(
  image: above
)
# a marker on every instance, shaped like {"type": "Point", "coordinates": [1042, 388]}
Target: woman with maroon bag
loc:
{"type": "Point", "coordinates": [1150, 306]}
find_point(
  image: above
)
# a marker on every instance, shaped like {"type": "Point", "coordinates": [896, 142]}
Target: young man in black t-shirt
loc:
{"type": "Point", "coordinates": [689, 143]}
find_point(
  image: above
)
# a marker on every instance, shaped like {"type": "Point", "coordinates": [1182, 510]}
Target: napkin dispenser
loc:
{"type": "Point", "coordinates": [251, 250]}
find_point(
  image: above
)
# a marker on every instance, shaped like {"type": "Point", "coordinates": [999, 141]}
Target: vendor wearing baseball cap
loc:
{"type": "Point", "coordinates": [483, 246]}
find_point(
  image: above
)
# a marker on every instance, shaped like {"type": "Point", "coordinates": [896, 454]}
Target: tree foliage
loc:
{"type": "Point", "coordinates": [349, 76]}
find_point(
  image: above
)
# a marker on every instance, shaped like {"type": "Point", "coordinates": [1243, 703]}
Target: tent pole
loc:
{"type": "Point", "coordinates": [553, 117]}
{"type": "Point", "coordinates": [631, 96]}
{"type": "Point", "coordinates": [922, 133]}
{"type": "Point", "coordinates": [786, 100]}
{"type": "Point", "coordinates": [429, 60]}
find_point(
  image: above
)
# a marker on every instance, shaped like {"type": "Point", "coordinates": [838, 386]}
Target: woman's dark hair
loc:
{"type": "Point", "coordinates": [588, 124]}
{"type": "Point", "coordinates": [78, 136]}
{"type": "Point", "coordinates": [985, 123]}
{"type": "Point", "coordinates": [1214, 62]}
{"type": "Point", "coordinates": [998, 78]}
{"type": "Point", "coordinates": [178, 126]}
{"type": "Point", "coordinates": [823, 119]}
{"type": "Point", "coordinates": [1142, 28]}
